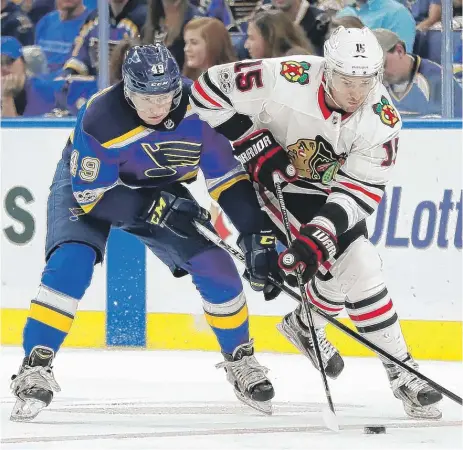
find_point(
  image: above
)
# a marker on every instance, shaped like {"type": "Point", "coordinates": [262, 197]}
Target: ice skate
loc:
{"type": "Point", "coordinates": [294, 329]}
{"type": "Point", "coordinates": [249, 378]}
{"type": "Point", "coordinates": [34, 385]}
{"type": "Point", "coordinates": [419, 399]}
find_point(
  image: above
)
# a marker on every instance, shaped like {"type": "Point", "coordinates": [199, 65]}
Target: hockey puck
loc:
{"type": "Point", "coordinates": [377, 429]}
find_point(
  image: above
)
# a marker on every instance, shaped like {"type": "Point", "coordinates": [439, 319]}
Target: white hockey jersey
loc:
{"type": "Point", "coordinates": [349, 158]}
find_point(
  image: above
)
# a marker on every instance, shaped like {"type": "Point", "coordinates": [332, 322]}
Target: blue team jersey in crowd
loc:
{"type": "Point", "coordinates": [17, 24]}
{"type": "Point", "coordinates": [229, 12]}
{"type": "Point", "coordinates": [56, 37]}
{"type": "Point", "coordinates": [84, 57]}
{"type": "Point", "coordinates": [420, 8]}
{"type": "Point", "coordinates": [91, 4]}
{"type": "Point", "coordinates": [37, 98]}
{"type": "Point", "coordinates": [111, 146]}
{"type": "Point", "coordinates": [423, 96]}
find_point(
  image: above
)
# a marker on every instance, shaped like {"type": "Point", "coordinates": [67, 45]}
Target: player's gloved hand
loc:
{"type": "Point", "coordinates": [313, 247]}
{"type": "Point", "coordinates": [262, 155]}
{"type": "Point", "coordinates": [261, 261]}
{"type": "Point", "coordinates": [177, 214]}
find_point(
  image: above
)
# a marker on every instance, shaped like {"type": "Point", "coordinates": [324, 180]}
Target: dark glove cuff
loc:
{"type": "Point", "coordinates": [239, 202]}
{"type": "Point", "coordinates": [257, 143]}
{"type": "Point", "coordinates": [323, 239]}
{"type": "Point", "coordinates": [337, 215]}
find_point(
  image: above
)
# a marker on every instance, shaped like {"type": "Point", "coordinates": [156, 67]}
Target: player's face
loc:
{"type": "Point", "coordinates": [350, 92]}
{"type": "Point", "coordinates": [195, 50]}
{"type": "Point", "coordinates": [255, 43]}
{"type": "Point", "coordinates": [153, 109]}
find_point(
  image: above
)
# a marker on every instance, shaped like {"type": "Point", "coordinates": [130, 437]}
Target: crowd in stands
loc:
{"type": "Point", "coordinates": [50, 48]}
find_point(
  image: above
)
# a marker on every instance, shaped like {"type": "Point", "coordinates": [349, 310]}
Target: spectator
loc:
{"type": "Point", "coordinates": [21, 95]}
{"type": "Point", "coordinates": [71, 93]}
{"type": "Point", "coordinates": [207, 44]}
{"type": "Point", "coordinates": [330, 6]}
{"type": "Point", "coordinates": [458, 62]}
{"type": "Point", "coordinates": [117, 58]}
{"type": "Point", "coordinates": [272, 34]}
{"type": "Point", "coordinates": [457, 8]}
{"type": "Point", "coordinates": [346, 22]}
{"type": "Point", "coordinates": [37, 9]}
{"type": "Point", "coordinates": [426, 13]}
{"type": "Point", "coordinates": [388, 14]}
{"type": "Point", "coordinates": [56, 32]}
{"type": "Point", "coordinates": [126, 20]}
{"type": "Point", "coordinates": [166, 21]}
{"type": "Point", "coordinates": [16, 23]}
{"type": "Point", "coordinates": [232, 13]}
{"type": "Point", "coordinates": [91, 4]}
{"type": "Point", "coordinates": [313, 21]}
{"type": "Point", "coordinates": [414, 83]}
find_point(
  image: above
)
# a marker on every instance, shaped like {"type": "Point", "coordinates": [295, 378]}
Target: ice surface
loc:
{"type": "Point", "coordinates": [119, 399]}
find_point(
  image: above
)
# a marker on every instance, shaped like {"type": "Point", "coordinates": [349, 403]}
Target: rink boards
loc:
{"type": "Point", "coordinates": [134, 301]}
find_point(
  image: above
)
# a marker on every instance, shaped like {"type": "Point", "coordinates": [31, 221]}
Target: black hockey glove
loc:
{"type": "Point", "coordinates": [261, 261]}
{"type": "Point", "coordinates": [177, 214]}
{"type": "Point", "coordinates": [313, 247]}
{"type": "Point", "coordinates": [262, 155]}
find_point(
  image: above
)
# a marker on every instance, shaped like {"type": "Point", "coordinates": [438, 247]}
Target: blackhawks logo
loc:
{"type": "Point", "coordinates": [315, 159]}
{"type": "Point", "coordinates": [386, 112]}
{"type": "Point", "coordinates": [295, 71]}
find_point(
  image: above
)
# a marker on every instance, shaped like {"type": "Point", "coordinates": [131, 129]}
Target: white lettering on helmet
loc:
{"type": "Point", "coordinates": [160, 83]}
{"type": "Point", "coordinates": [157, 69]}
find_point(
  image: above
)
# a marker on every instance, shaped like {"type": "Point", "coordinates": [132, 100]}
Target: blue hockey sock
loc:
{"type": "Point", "coordinates": [224, 302]}
{"type": "Point", "coordinates": [66, 277]}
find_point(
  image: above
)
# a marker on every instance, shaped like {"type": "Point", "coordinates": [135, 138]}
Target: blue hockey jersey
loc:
{"type": "Point", "coordinates": [111, 146]}
{"type": "Point", "coordinates": [423, 95]}
{"type": "Point", "coordinates": [56, 37]}
{"type": "Point", "coordinates": [84, 58]}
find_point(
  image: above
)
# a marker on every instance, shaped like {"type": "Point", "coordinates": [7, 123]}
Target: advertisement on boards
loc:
{"type": "Point", "coordinates": [417, 229]}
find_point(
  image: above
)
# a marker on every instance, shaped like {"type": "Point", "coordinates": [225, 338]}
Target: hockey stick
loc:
{"type": "Point", "coordinates": [219, 242]}
{"type": "Point", "coordinates": [329, 416]}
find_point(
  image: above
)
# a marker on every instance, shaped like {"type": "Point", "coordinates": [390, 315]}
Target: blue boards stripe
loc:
{"type": "Point", "coordinates": [126, 291]}
{"type": "Point", "coordinates": [408, 124]}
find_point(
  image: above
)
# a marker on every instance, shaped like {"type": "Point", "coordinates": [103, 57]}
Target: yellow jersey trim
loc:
{"type": "Point", "coordinates": [215, 193]}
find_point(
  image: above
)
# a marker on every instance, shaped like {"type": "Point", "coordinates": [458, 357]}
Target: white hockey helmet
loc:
{"type": "Point", "coordinates": [353, 52]}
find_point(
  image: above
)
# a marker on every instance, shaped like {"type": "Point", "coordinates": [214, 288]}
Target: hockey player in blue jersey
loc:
{"type": "Point", "coordinates": [134, 146]}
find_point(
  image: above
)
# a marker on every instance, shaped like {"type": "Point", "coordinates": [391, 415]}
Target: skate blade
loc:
{"type": "Point", "coordinates": [422, 412]}
{"type": "Point", "coordinates": [263, 407]}
{"type": "Point", "coordinates": [26, 410]}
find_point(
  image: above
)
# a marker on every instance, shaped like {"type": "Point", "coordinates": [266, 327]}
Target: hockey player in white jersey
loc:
{"type": "Point", "coordinates": [328, 126]}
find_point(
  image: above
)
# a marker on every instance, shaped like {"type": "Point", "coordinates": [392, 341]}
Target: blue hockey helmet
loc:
{"type": "Point", "coordinates": [151, 72]}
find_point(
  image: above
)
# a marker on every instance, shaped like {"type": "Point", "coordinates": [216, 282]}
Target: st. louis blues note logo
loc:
{"type": "Point", "coordinates": [167, 156]}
